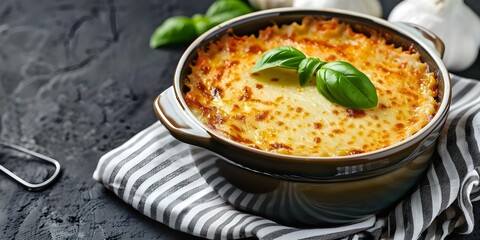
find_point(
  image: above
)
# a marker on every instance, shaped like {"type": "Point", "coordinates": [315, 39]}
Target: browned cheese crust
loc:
{"type": "Point", "coordinates": [271, 112]}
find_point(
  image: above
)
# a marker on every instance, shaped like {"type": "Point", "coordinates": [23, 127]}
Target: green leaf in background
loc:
{"type": "Point", "coordinates": [307, 68]}
{"type": "Point", "coordinates": [174, 30]}
{"type": "Point", "coordinates": [201, 23]}
{"type": "Point", "coordinates": [177, 30]}
{"type": "Point", "coordinates": [348, 86]}
{"type": "Point", "coordinates": [221, 11]}
{"type": "Point", "coordinates": [284, 57]}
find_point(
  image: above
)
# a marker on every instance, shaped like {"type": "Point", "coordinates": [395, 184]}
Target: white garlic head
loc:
{"type": "Point", "coordinates": [452, 21]}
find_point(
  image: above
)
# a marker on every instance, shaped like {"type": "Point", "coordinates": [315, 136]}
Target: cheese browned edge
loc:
{"type": "Point", "coordinates": [271, 112]}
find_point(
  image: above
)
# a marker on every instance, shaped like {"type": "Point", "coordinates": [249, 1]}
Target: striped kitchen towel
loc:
{"type": "Point", "coordinates": [155, 174]}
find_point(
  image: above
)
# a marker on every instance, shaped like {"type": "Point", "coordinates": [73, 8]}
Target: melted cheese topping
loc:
{"type": "Point", "coordinates": [271, 112]}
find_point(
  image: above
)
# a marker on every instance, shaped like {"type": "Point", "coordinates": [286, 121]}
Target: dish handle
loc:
{"type": "Point", "coordinates": [170, 113]}
{"type": "Point", "coordinates": [424, 34]}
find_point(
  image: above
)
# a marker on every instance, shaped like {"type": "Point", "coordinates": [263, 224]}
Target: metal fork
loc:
{"type": "Point", "coordinates": [28, 185]}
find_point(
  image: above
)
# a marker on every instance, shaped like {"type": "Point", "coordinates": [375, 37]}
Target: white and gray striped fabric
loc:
{"type": "Point", "coordinates": [155, 174]}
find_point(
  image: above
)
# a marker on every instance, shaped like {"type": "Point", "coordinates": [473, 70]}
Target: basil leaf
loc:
{"type": "Point", "coordinates": [348, 86]}
{"type": "Point", "coordinates": [201, 23]}
{"type": "Point", "coordinates": [221, 11]}
{"type": "Point", "coordinates": [306, 68]}
{"type": "Point", "coordinates": [284, 57]}
{"type": "Point", "coordinates": [322, 87]}
{"type": "Point", "coordinates": [174, 30]}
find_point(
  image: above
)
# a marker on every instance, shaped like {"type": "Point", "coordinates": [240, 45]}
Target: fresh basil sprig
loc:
{"type": "Point", "coordinates": [181, 29]}
{"type": "Point", "coordinates": [338, 81]}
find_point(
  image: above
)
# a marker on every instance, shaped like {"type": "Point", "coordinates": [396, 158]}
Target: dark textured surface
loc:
{"type": "Point", "coordinates": [77, 79]}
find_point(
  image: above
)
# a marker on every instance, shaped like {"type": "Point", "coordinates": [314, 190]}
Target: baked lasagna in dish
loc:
{"type": "Point", "coordinates": [270, 111]}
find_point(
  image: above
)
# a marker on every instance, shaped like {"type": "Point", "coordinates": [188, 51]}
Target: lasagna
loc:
{"type": "Point", "coordinates": [270, 111]}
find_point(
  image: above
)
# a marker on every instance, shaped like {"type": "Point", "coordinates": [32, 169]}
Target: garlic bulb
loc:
{"type": "Point", "coordinates": [266, 4]}
{"type": "Point", "coordinates": [371, 7]}
{"type": "Point", "coordinates": [452, 21]}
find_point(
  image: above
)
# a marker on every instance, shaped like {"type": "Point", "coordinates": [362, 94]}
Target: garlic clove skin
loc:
{"type": "Point", "coordinates": [452, 21]}
{"type": "Point", "coordinates": [267, 4]}
{"type": "Point", "coordinates": [370, 7]}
